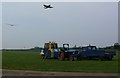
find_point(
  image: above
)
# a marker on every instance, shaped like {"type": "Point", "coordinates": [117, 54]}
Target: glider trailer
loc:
{"type": "Point", "coordinates": [91, 52]}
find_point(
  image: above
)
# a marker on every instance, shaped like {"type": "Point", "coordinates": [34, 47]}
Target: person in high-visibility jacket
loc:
{"type": "Point", "coordinates": [42, 55]}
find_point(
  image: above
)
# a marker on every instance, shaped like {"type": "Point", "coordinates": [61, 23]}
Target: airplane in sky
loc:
{"type": "Point", "coordinates": [47, 6]}
{"type": "Point", "coordinates": [11, 24]}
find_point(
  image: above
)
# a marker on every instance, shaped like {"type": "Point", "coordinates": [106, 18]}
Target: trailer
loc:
{"type": "Point", "coordinates": [91, 52]}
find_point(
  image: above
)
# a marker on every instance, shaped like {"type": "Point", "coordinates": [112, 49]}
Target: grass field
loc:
{"type": "Point", "coordinates": [0, 59]}
{"type": "Point", "coordinates": [27, 60]}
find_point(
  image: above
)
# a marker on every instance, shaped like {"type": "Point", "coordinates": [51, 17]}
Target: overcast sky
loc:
{"type": "Point", "coordinates": [76, 23]}
{"type": "Point", "coordinates": [0, 25]}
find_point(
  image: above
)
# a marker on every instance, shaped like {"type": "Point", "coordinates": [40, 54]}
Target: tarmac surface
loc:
{"type": "Point", "coordinates": [6, 72]}
{"type": "Point", "coordinates": [0, 72]}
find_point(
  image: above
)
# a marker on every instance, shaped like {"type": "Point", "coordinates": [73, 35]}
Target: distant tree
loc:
{"type": "Point", "coordinates": [74, 47]}
{"type": "Point", "coordinates": [37, 49]}
{"type": "Point", "coordinates": [117, 46]}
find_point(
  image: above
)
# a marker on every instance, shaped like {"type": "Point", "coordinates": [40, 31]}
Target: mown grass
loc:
{"type": "Point", "coordinates": [0, 59]}
{"type": "Point", "coordinates": [27, 60]}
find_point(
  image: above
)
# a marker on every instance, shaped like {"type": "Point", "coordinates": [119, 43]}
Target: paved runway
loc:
{"type": "Point", "coordinates": [6, 72]}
